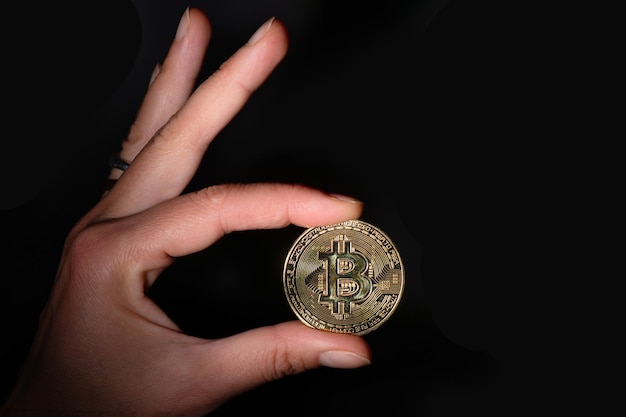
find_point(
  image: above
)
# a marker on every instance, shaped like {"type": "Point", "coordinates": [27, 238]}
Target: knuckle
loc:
{"type": "Point", "coordinates": [285, 364]}
{"type": "Point", "coordinates": [212, 198]}
{"type": "Point", "coordinates": [287, 359]}
{"type": "Point", "coordinates": [97, 249]}
{"type": "Point", "coordinates": [212, 201]}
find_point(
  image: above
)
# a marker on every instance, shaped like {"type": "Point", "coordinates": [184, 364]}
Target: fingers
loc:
{"type": "Point", "coordinates": [166, 164]}
{"type": "Point", "coordinates": [171, 85]}
{"type": "Point", "coordinates": [194, 221]}
{"type": "Point", "coordinates": [270, 353]}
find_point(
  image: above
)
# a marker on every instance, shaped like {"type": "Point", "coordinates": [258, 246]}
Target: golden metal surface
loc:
{"type": "Point", "coordinates": [343, 278]}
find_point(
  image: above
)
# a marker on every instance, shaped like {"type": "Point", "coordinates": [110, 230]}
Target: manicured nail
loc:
{"type": "Point", "coordinates": [183, 25]}
{"type": "Point", "coordinates": [345, 198]}
{"type": "Point", "coordinates": [342, 359]}
{"type": "Point", "coordinates": [155, 72]}
{"type": "Point", "coordinates": [261, 31]}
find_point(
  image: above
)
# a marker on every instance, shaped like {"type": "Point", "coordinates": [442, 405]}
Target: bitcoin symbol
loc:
{"type": "Point", "coordinates": [345, 282]}
{"type": "Point", "coordinates": [345, 278]}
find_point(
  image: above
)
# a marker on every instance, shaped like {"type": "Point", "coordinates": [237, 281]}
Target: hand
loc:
{"type": "Point", "coordinates": [103, 347]}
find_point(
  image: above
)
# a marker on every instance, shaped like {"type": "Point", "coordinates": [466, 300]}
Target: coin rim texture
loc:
{"type": "Point", "coordinates": [344, 224]}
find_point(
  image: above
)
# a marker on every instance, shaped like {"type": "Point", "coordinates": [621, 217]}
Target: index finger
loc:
{"type": "Point", "coordinates": [194, 221]}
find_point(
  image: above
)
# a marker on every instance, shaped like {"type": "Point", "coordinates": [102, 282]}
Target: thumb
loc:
{"type": "Point", "coordinates": [266, 354]}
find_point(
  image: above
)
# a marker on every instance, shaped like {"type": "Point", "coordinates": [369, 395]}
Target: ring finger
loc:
{"type": "Point", "coordinates": [171, 84]}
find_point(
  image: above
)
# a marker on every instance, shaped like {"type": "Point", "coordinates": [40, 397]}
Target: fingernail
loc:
{"type": "Point", "coordinates": [183, 25]}
{"type": "Point", "coordinates": [342, 359]}
{"type": "Point", "coordinates": [261, 31]}
{"type": "Point", "coordinates": [155, 72]}
{"type": "Point", "coordinates": [345, 198]}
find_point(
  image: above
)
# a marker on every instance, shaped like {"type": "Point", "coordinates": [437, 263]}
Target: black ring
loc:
{"type": "Point", "coordinates": [116, 162]}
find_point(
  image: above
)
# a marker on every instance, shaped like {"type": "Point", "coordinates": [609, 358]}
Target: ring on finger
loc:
{"type": "Point", "coordinates": [116, 162]}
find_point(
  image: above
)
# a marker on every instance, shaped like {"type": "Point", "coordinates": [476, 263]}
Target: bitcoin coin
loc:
{"type": "Point", "coordinates": [345, 278]}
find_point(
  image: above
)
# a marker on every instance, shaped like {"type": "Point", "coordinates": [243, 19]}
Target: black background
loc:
{"type": "Point", "coordinates": [444, 117]}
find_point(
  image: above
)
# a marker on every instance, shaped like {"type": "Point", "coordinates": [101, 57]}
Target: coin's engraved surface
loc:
{"type": "Point", "coordinates": [345, 278]}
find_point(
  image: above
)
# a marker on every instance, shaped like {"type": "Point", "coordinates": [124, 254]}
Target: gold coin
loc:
{"type": "Point", "coordinates": [344, 278]}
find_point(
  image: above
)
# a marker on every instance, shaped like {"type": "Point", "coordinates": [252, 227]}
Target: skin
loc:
{"type": "Point", "coordinates": [103, 347]}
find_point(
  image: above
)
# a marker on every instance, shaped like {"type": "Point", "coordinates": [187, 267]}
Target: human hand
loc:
{"type": "Point", "coordinates": [103, 347]}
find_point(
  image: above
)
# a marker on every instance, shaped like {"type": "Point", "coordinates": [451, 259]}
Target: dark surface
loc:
{"type": "Point", "coordinates": [435, 105]}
